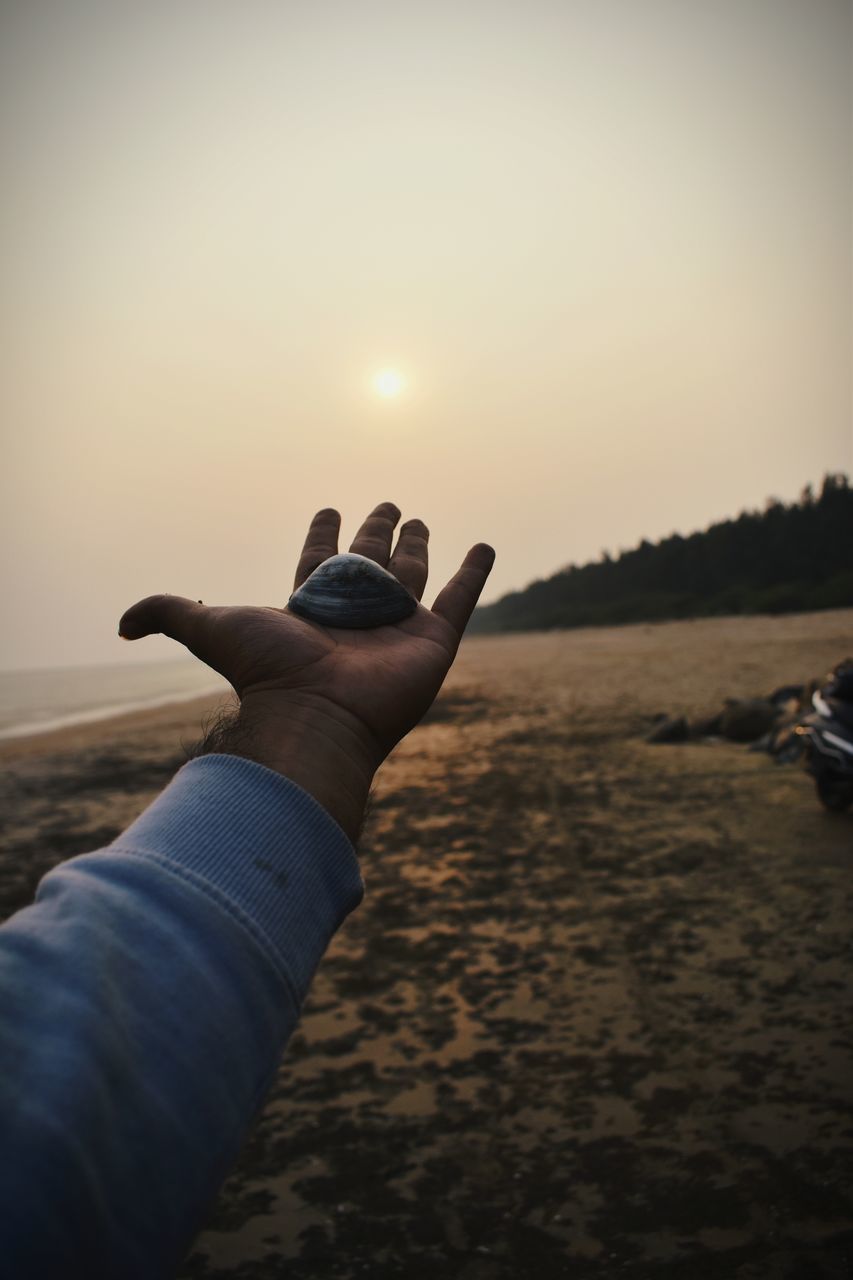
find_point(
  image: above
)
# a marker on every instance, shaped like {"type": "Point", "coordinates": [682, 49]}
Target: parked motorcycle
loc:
{"type": "Point", "coordinates": [827, 735]}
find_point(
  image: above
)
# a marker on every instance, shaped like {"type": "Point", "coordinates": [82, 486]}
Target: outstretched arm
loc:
{"type": "Point", "coordinates": [146, 996]}
{"type": "Point", "coordinates": [324, 706]}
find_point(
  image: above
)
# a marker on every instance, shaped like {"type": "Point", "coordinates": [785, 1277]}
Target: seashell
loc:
{"type": "Point", "coordinates": [349, 590]}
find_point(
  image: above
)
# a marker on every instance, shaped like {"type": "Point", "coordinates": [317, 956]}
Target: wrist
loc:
{"type": "Point", "coordinates": [319, 749]}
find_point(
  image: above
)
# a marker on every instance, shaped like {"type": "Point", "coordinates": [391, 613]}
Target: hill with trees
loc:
{"type": "Point", "coordinates": [784, 559]}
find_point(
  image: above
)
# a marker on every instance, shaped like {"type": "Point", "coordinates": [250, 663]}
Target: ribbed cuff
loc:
{"type": "Point", "coordinates": [262, 847]}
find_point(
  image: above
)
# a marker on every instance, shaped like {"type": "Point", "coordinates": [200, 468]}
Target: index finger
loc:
{"type": "Point", "coordinates": [455, 603]}
{"type": "Point", "coordinates": [320, 543]}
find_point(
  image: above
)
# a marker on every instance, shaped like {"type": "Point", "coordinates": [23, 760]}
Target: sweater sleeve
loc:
{"type": "Point", "coordinates": [145, 999]}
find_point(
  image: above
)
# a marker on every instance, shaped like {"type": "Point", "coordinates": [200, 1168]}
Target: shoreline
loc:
{"type": "Point", "coordinates": [173, 713]}
{"type": "Point", "coordinates": [96, 715]}
{"type": "Point", "coordinates": [186, 712]}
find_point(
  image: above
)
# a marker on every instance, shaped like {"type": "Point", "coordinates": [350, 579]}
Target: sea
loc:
{"type": "Point", "coordinates": [36, 701]}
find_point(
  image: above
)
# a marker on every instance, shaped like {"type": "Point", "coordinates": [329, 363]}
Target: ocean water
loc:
{"type": "Point", "coordinates": [33, 701]}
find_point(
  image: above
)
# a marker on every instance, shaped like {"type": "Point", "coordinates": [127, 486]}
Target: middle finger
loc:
{"type": "Point", "coordinates": [374, 537]}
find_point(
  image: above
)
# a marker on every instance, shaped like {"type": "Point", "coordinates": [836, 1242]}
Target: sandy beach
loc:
{"type": "Point", "coordinates": [593, 1018]}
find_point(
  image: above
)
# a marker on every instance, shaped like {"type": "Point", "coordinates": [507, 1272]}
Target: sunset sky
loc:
{"type": "Point", "coordinates": [601, 248]}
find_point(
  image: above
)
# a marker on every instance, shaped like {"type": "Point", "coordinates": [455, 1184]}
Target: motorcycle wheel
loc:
{"type": "Point", "coordinates": [834, 793]}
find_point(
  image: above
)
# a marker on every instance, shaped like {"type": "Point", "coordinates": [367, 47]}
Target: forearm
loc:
{"type": "Point", "coordinates": [328, 755]}
{"type": "Point", "coordinates": [145, 999]}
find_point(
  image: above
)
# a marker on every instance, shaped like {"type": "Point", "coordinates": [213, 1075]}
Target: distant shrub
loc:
{"type": "Point", "coordinates": [836, 593]}
{"type": "Point", "coordinates": [786, 597]}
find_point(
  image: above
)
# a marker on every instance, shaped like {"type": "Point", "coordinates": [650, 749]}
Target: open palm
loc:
{"type": "Point", "coordinates": [366, 686]}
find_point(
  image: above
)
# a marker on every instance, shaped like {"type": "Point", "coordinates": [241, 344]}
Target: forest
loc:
{"type": "Point", "coordinates": [788, 558]}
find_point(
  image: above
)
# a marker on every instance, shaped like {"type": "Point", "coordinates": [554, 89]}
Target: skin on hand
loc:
{"type": "Point", "coordinates": [324, 706]}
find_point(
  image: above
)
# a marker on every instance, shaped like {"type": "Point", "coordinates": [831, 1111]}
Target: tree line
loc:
{"type": "Point", "coordinates": [785, 559]}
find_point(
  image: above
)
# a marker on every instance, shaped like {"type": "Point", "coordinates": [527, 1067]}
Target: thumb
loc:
{"type": "Point", "coordinates": [173, 616]}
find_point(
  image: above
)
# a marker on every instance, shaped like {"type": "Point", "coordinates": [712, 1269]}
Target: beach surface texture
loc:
{"type": "Point", "coordinates": [593, 1018]}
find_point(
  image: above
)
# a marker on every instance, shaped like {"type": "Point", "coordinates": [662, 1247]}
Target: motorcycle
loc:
{"type": "Point", "coordinates": [827, 739]}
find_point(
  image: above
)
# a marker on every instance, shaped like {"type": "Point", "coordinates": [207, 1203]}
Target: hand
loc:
{"type": "Point", "coordinates": [324, 706]}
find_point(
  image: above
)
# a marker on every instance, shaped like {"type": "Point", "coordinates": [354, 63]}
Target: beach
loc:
{"type": "Point", "coordinates": [593, 1017]}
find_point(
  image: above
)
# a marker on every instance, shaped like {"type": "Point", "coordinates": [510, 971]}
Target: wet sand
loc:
{"type": "Point", "coordinates": [593, 1018]}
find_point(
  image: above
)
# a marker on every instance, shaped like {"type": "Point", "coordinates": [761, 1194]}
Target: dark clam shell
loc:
{"type": "Point", "coordinates": [349, 590]}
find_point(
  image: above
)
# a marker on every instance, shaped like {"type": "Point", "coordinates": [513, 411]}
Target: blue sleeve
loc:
{"type": "Point", "coordinates": [145, 999]}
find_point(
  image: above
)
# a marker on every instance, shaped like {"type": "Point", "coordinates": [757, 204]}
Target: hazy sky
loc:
{"type": "Point", "coordinates": [607, 243]}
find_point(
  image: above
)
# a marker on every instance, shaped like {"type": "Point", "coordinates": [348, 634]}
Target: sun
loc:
{"type": "Point", "coordinates": [389, 383]}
